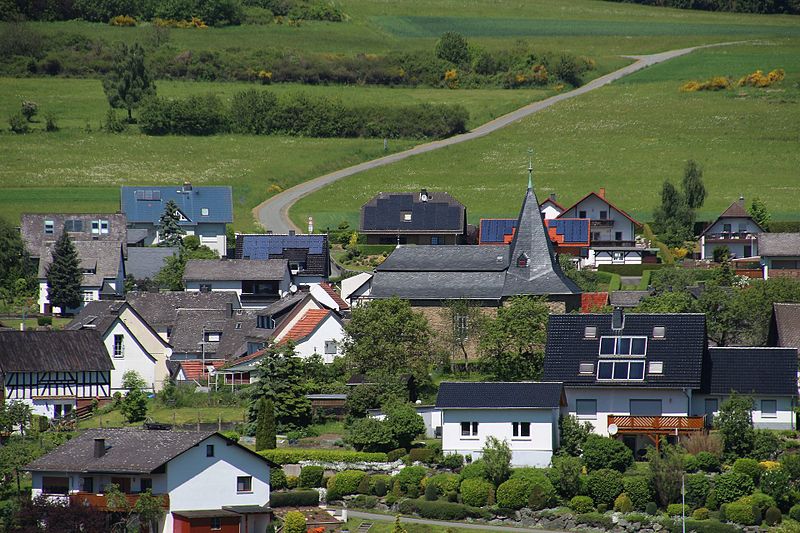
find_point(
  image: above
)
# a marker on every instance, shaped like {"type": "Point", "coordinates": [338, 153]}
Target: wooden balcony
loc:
{"type": "Point", "coordinates": [99, 501]}
{"type": "Point", "coordinates": [659, 425]}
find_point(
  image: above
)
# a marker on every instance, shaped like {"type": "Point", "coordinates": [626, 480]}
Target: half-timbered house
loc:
{"type": "Point", "coordinates": [54, 371]}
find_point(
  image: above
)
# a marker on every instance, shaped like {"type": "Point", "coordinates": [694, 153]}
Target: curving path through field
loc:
{"type": "Point", "coordinates": [273, 213]}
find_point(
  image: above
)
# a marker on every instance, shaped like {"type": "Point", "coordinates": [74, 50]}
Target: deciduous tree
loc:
{"type": "Point", "coordinates": [64, 276]}
{"type": "Point", "coordinates": [134, 404]}
{"type": "Point", "coordinates": [735, 422]}
{"type": "Point", "coordinates": [693, 187]}
{"type": "Point", "coordinates": [497, 458]}
{"type": "Point", "coordinates": [453, 47]}
{"type": "Point", "coordinates": [468, 326]}
{"type": "Point", "coordinates": [128, 82]}
{"type": "Point", "coordinates": [280, 379]}
{"type": "Point", "coordinates": [758, 210]}
{"type": "Point", "coordinates": [513, 343]}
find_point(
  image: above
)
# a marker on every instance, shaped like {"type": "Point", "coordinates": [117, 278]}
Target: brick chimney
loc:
{"type": "Point", "coordinates": [99, 447]}
{"type": "Point", "coordinates": [602, 193]}
{"type": "Point", "coordinates": [552, 197]}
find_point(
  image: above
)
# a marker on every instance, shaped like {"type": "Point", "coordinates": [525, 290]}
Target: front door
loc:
{"type": "Point", "coordinates": [711, 407]}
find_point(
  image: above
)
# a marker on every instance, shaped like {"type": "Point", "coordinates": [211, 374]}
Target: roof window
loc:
{"type": "Point", "coordinates": [623, 346]}
{"type": "Point", "coordinates": [49, 227]}
{"type": "Point", "coordinates": [586, 368]}
{"type": "Point", "coordinates": [590, 332]}
{"type": "Point", "coordinates": [148, 195]}
{"type": "Point", "coordinates": [522, 260]}
{"type": "Point", "coordinates": [655, 367]}
{"type": "Point", "coordinates": [73, 225]}
{"type": "Point", "coordinates": [204, 211]}
{"type": "Point", "coordinates": [406, 216]}
{"type": "Point", "coordinates": [659, 332]}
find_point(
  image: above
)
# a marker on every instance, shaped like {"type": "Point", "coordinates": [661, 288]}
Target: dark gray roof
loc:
{"type": "Point", "coordinates": [238, 330]}
{"type": "Point", "coordinates": [770, 371]}
{"type": "Point", "coordinates": [489, 395]}
{"type": "Point", "coordinates": [160, 309]}
{"type": "Point", "coordinates": [32, 228]}
{"type": "Point", "coordinates": [438, 285]}
{"type": "Point", "coordinates": [626, 298]}
{"type": "Point", "coordinates": [98, 315]}
{"type": "Point", "coordinates": [136, 235]}
{"type": "Point", "coordinates": [446, 259]}
{"type": "Point", "coordinates": [779, 244]}
{"type": "Point", "coordinates": [235, 269]}
{"type": "Point", "coordinates": [441, 213]}
{"type": "Point", "coordinates": [190, 327]}
{"type": "Point", "coordinates": [104, 258]}
{"type": "Point", "coordinates": [309, 250]}
{"type": "Point", "coordinates": [145, 262]}
{"type": "Point", "coordinates": [681, 350]}
{"type": "Point", "coordinates": [53, 351]}
{"type": "Point", "coordinates": [785, 325]}
{"type": "Point", "coordinates": [129, 450]}
{"type": "Point", "coordinates": [146, 203]}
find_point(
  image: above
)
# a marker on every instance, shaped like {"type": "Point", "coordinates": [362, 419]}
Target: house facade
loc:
{"type": "Point", "coordinates": [550, 208]}
{"type": "Point", "coordinates": [203, 211]}
{"type": "Point", "coordinates": [414, 218]}
{"type": "Point", "coordinates": [54, 372]}
{"type": "Point", "coordinates": [735, 230]}
{"type": "Point", "coordinates": [256, 282]}
{"type": "Point", "coordinates": [39, 229]}
{"type": "Point", "coordinates": [780, 255]}
{"type": "Point", "coordinates": [307, 255]}
{"type": "Point", "coordinates": [524, 414]}
{"type": "Point", "coordinates": [206, 481]}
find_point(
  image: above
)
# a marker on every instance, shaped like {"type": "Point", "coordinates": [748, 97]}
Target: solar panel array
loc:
{"type": "Point", "coordinates": [574, 230]}
{"type": "Point", "coordinates": [387, 214]}
{"type": "Point", "coordinates": [262, 246]}
{"type": "Point", "coordinates": [148, 195]}
{"type": "Point", "coordinates": [494, 230]}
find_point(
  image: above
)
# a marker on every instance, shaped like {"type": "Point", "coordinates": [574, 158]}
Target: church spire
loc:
{"type": "Point", "coordinates": [530, 169]}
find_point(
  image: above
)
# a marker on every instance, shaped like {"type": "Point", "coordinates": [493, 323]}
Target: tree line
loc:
{"type": "Point", "coordinates": [790, 7]}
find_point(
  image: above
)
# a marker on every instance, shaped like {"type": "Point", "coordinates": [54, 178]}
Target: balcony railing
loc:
{"type": "Point", "coordinates": [100, 502]}
{"type": "Point", "coordinates": [657, 424]}
{"type": "Point", "coordinates": [729, 236]}
{"type": "Point", "coordinates": [626, 244]}
{"type": "Point", "coordinates": [602, 222]}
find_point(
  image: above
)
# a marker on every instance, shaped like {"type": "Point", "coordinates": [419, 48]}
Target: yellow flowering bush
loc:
{"type": "Point", "coordinates": [122, 20]}
{"type": "Point", "coordinates": [451, 78]}
{"type": "Point", "coordinates": [274, 189]}
{"type": "Point", "coordinates": [540, 75]}
{"type": "Point", "coordinates": [759, 79]}
{"type": "Point", "coordinates": [265, 77]}
{"type": "Point", "coordinates": [679, 253]}
{"type": "Point", "coordinates": [181, 24]}
{"type": "Point", "coordinates": [769, 465]}
{"type": "Point", "coordinates": [717, 83]}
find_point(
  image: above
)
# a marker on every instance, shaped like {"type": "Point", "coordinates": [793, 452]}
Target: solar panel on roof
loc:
{"type": "Point", "coordinates": [147, 195]}
{"type": "Point", "coordinates": [262, 246]}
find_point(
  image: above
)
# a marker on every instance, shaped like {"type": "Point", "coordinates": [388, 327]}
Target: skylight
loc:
{"type": "Point", "coordinates": [636, 346]}
{"type": "Point", "coordinates": [620, 370]}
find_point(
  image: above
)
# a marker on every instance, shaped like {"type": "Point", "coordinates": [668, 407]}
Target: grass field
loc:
{"type": "Point", "coordinates": [627, 137]}
{"type": "Point", "coordinates": [165, 415]}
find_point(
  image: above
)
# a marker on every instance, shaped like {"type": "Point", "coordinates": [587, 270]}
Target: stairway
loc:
{"type": "Point", "coordinates": [364, 527]}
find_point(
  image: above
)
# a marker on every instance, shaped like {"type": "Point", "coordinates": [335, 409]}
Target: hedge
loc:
{"type": "Point", "coordinates": [604, 486]}
{"type": "Point", "coordinates": [311, 476]}
{"type": "Point", "coordinates": [476, 492]}
{"type": "Point", "coordinates": [630, 270]}
{"type": "Point", "coordinates": [438, 510]}
{"type": "Point", "coordinates": [285, 456]}
{"type": "Point", "coordinates": [344, 483]}
{"type": "Point", "coordinates": [513, 493]}
{"type": "Point", "coordinates": [295, 498]}
{"type": "Point", "coordinates": [376, 249]}
{"type": "Point", "coordinates": [581, 504]}
{"type": "Point", "coordinates": [638, 490]}
{"type": "Point", "coordinates": [409, 479]}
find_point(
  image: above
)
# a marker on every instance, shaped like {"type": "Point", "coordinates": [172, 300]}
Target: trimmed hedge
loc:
{"type": "Point", "coordinates": [444, 482]}
{"type": "Point", "coordinates": [311, 476]}
{"type": "Point", "coordinates": [638, 490]}
{"type": "Point", "coordinates": [474, 469]}
{"type": "Point", "coordinates": [344, 483]}
{"type": "Point", "coordinates": [409, 479]}
{"type": "Point", "coordinates": [285, 456]}
{"type": "Point", "coordinates": [476, 492]}
{"type": "Point", "coordinates": [604, 486]}
{"type": "Point", "coordinates": [295, 498]}
{"type": "Point", "coordinates": [749, 467]}
{"type": "Point", "coordinates": [581, 504]}
{"type": "Point", "coordinates": [630, 270]}
{"type": "Point", "coordinates": [438, 510]}
{"type": "Point", "coordinates": [513, 493]}
{"type": "Point", "coordinates": [742, 513]}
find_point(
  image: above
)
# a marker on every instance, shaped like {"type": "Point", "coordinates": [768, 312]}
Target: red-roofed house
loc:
{"type": "Point", "coordinates": [317, 331]}
{"type": "Point", "coordinates": [327, 296]}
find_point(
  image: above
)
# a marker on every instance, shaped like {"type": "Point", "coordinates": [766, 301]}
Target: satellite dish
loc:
{"type": "Point", "coordinates": [612, 429]}
{"type": "Point", "coordinates": [293, 289]}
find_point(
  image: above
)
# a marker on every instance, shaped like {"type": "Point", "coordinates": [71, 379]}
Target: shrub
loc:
{"type": "Point", "coordinates": [292, 482]}
{"type": "Point", "coordinates": [766, 445]}
{"type": "Point", "coordinates": [604, 485]}
{"type": "Point", "coordinates": [565, 475]}
{"type": "Point", "coordinates": [573, 435]}
{"type": "Point", "coordinates": [423, 455]}
{"type": "Point", "coordinates": [452, 461]}
{"type": "Point", "coordinates": [439, 510]}
{"type": "Point", "coordinates": [396, 454]}
{"type": "Point", "coordinates": [364, 501]}
{"type": "Point", "coordinates": [381, 484]}
{"type": "Point", "coordinates": [707, 462]}
{"type": "Point", "coordinates": [749, 467]}
{"type": "Point", "coordinates": [409, 479]}
{"type": "Point", "coordinates": [311, 476]}
{"type": "Point", "coordinates": [122, 20]}
{"type": "Point", "coordinates": [773, 516]}
{"type": "Point", "coordinates": [296, 498]}
{"type": "Point", "coordinates": [44, 321]}
{"type": "Point", "coordinates": [603, 452]}
{"type": "Point", "coordinates": [277, 479]}
{"type": "Point", "coordinates": [759, 499]}
{"type": "Point", "coordinates": [365, 485]}
{"type": "Point", "coordinates": [638, 490]}
{"type": "Point", "coordinates": [676, 509]}
{"type": "Point", "coordinates": [791, 463]}
{"type": "Point", "coordinates": [474, 469]}
{"type": "Point", "coordinates": [623, 504]}
{"type": "Point", "coordinates": [701, 514]}
{"type": "Point", "coordinates": [453, 47]}
{"type": "Point", "coordinates": [581, 504]}
{"type": "Point", "coordinates": [476, 492]}
{"type": "Point", "coordinates": [777, 484]}
{"type": "Point", "coordinates": [597, 519]}
{"type": "Point", "coordinates": [431, 492]}
{"type": "Point", "coordinates": [700, 442]}
{"type": "Point", "coordinates": [513, 493]}
{"type": "Point", "coordinates": [794, 512]}
{"type": "Point", "coordinates": [742, 513]}
{"type": "Point", "coordinates": [294, 522]}
{"type": "Point", "coordinates": [29, 109]}
{"type": "Point", "coordinates": [602, 508]}
{"type": "Point", "coordinates": [711, 501]}
{"type": "Point", "coordinates": [344, 483]}
{"type": "Point", "coordinates": [651, 508]}
{"type": "Point", "coordinates": [285, 456]}
{"type": "Point", "coordinates": [18, 124]}
{"type": "Point", "coordinates": [690, 463]}
{"type": "Point", "coordinates": [445, 482]}
{"type": "Point", "coordinates": [541, 491]}
{"type": "Point", "coordinates": [697, 489]}
{"type": "Point", "coordinates": [731, 486]}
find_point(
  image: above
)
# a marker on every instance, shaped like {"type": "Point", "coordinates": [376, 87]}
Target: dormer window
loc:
{"type": "Point", "coordinates": [522, 260]}
{"type": "Point", "coordinates": [655, 367]}
{"type": "Point", "coordinates": [49, 227]}
{"type": "Point", "coordinates": [586, 368]}
{"type": "Point", "coordinates": [100, 227]}
{"type": "Point", "coordinates": [659, 332]}
{"type": "Point", "coordinates": [204, 212]}
{"type": "Point", "coordinates": [213, 336]}
{"type": "Point", "coordinates": [406, 216]}
{"type": "Point", "coordinates": [590, 332]}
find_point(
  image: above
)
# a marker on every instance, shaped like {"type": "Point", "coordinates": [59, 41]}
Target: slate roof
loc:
{"type": "Point", "coordinates": [446, 258]}
{"type": "Point", "coordinates": [53, 351]}
{"type": "Point", "coordinates": [145, 262]}
{"type": "Point", "coordinates": [309, 249]}
{"type": "Point", "coordinates": [441, 213]}
{"type": "Point", "coordinates": [145, 204]}
{"type": "Point", "coordinates": [735, 210]}
{"type": "Point", "coordinates": [785, 325]}
{"type": "Point", "coordinates": [499, 395]}
{"type": "Point", "coordinates": [438, 285]}
{"type": "Point", "coordinates": [234, 339]}
{"type": "Point", "coordinates": [128, 451]}
{"type": "Point", "coordinates": [160, 309]}
{"type": "Point", "coordinates": [32, 229]}
{"type": "Point", "coordinates": [190, 326]}
{"type": "Point", "coordinates": [627, 298]}
{"type": "Point", "coordinates": [779, 244]}
{"type": "Point", "coordinates": [98, 315]}
{"type": "Point", "coordinates": [235, 269]}
{"type": "Point", "coordinates": [681, 350]}
{"type": "Point", "coordinates": [769, 371]}
{"type": "Point", "coordinates": [103, 257]}
{"type": "Point", "coordinates": [136, 235]}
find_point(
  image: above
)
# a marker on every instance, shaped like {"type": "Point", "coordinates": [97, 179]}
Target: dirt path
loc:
{"type": "Point", "coordinates": [273, 213]}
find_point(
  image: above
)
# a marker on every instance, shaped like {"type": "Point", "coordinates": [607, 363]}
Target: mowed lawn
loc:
{"type": "Point", "coordinates": [627, 137]}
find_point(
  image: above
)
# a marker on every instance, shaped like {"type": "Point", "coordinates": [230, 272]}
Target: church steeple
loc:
{"type": "Point", "coordinates": [530, 169]}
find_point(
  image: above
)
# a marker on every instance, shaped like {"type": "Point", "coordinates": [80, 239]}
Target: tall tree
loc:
{"type": "Point", "coordinates": [280, 379]}
{"type": "Point", "coordinates": [735, 422]}
{"type": "Point", "coordinates": [171, 274]}
{"type": "Point", "coordinates": [128, 82]}
{"type": "Point", "coordinates": [674, 219]}
{"type": "Point", "coordinates": [758, 210]}
{"type": "Point", "coordinates": [170, 233]}
{"type": "Point", "coordinates": [693, 187]}
{"type": "Point", "coordinates": [468, 322]}
{"type": "Point", "coordinates": [15, 262]}
{"type": "Point", "coordinates": [513, 344]}
{"type": "Point", "coordinates": [134, 404]}
{"type": "Point", "coordinates": [265, 425]}
{"type": "Point", "coordinates": [64, 276]}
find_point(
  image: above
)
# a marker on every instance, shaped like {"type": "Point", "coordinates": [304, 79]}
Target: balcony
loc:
{"type": "Point", "coordinates": [661, 425]}
{"type": "Point", "coordinates": [99, 501]}
{"type": "Point", "coordinates": [729, 236]}
{"type": "Point", "coordinates": [613, 244]}
{"type": "Point", "coordinates": [259, 297]}
{"type": "Point", "coordinates": [602, 222]}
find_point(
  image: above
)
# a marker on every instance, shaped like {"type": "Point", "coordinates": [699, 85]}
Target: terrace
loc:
{"type": "Point", "coordinates": [655, 426]}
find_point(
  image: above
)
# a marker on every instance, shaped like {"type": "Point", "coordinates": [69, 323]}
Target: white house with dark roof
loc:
{"type": "Point", "coordinates": [780, 255]}
{"type": "Point", "coordinates": [39, 229]}
{"type": "Point", "coordinates": [256, 282]}
{"type": "Point", "coordinates": [734, 230]}
{"type": "Point", "coordinates": [207, 482]}
{"type": "Point", "coordinates": [308, 255]}
{"type": "Point", "coordinates": [524, 414]}
{"type": "Point", "coordinates": [204, 211]}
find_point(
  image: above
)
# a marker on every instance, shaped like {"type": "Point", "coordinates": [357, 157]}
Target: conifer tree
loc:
{"type": "Point", "coordinates": [169, 230]}
{"type": "Point", "coordinates": [128, 82]}
{"type": "Point", "coordinates": [64, 276]}
{"type": "Point", "coordinates": [265, 425]}
{"type": "Point", "coordinates": [693, 187]}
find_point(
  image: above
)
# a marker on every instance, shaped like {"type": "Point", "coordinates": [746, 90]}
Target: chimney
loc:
{"type": "Point", "coordinates": [310, 225]}
{"type": "Point", "coordinates": [99, 447]}
{"type": "Point", "coordinates": [602, 193]}
{"type": "Point", "coordinates": [291, 233]}
{"type": "Point", "coordinates": [423, 195]}
{"type": "Point", "coordinates": [617, 319]}
{"type": "Point", "coordinates": [552, 197]}
{"type": "Point", "coordinates": [741, 199]}
{"type": "Point", "coordinates": [230, 309]}
{"type": "Point", "coordinates": [187, 186]}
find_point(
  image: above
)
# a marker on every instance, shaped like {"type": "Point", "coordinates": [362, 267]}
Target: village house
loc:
{"type": "Point", "coordinates": [55, 372]}
{"type": "Point", "coordinates": [206, 481]}
{"type": "Point", "coordinates": [414, 218]}
{"type": "Point", "coordinates": [40, 229]}
{"type": "Point", "coordinates": [143, 263]}
{"type": "Point", "coordinates": [784, 326]}
{"type": "Point", "coordinates": [256, 282]}
{"type": "Point", "coordinates": [307, 255]}
{"type": "Point", "coordinates": [734, 230]}
{"type": "Point", "coordinates": [550, 208]}
{"type": "Point", "coordinates": [357, 289]}
{"type": "Point", "coordinates": [780, 255]}
{"type": "Point", "coordinates": [129, 340]}
{"type": "Point", "coordinates": [524, 414]}
{"type": "Point", "coordinates": [203, 211]}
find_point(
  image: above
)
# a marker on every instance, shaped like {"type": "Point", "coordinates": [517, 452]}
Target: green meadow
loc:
{"type": "Point", "coordinates": [627, 137]}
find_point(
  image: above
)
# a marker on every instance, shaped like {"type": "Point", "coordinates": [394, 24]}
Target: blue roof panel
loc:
{"type": "Point", "coordinates": [199, 204]}
{"type": "Point", "coordinates": [262, 246]}
{"type": "Point", "coordinates": [575, 231]}
{"type": "Point", "coordinates": [494, 230]}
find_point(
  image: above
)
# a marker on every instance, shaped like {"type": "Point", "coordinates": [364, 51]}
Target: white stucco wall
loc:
{"type": "Point", "coordinates": [593, 205]}
{"type": "Point", "coordinates": [549, 211]}
{"type": "Point", "coordinates": [216, 286]}
{"type": "Point", "coordinates": [355, 287]}
{"type": "Point", "coordinates": [630, 256]}
{"type": "Point", "coordinates": [536, 450]}
{"type": "Point", "coordinates": [134, 357]}
{"type": "Point", "coordinates": [783, 419]}
{"type": "Point", "coordinates": [330, 330]}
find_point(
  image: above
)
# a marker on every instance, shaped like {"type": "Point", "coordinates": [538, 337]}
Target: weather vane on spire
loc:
{"type": "Point", "coordinates": [530, 169]}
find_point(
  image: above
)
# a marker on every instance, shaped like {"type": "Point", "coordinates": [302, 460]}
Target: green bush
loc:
{"type": "Point", "coordinates": [791, 463]}
{"type": "Point", "coordinates": [773, 516]}
{"type": "Point", "coordinates": [623, 504]}
{"type": "Point", "coordinates": [595, 520]}
{"type": "Point", "coordinates": [18, 124]}
{"type": "Point", "coordinates": [409, 479]}
{"type": "Point", "coordinates": [453, 47]}
{"type": "Point", "coordinates": [766, 445]}
{"type": "Point", "coordinates": [423, 455]}
{"type": "Point", "coordinates": [431, 492]}
{"type": "Point", "coordinates": [380, 484]}
{"type": "Point", "coordinates": [565, 475]}
{"type": "Point", "coordinates": [581, 504]}
{"type": "Point", "coordinates": [701, 514]}
{"type": "Point", "coordinates": [44, 321]}
{"type": "Point", "coordinates": [707, 462]}
{"type": "Point", "coordinates": [651, 508]}
{"type": "Point", "coordinates": [741, 513]}
{"type": "Point", "coordinates": [294, 522]}
{"type": "Point", "coordinates": [192, 115]}
{"type": "Point", "coordinates": [697, 489]}
{"type": "Point", "coordinates": [777, 484]}
{"type": "Point", "coordinates": [364, 501]}
{"type": "Point", "coordinates": [513, 493]}
{"type": "Point", "coordinates": [344, 483]}
{"type": "Point", "coordinates": [603, 452]}
{"type": "Point", "coordinates": [295, 498]}
{"type": "Point", "coordinates": [749, 467]}
{"type": "Point", "coordinates": [630, 270]}
{"type": "Point", "coordinates": [292, 482]}
{"type": "Point", "coordinates": [396, 454]}
{"type": "Point", "coordinates": [760, 500]}
{"type": "Point", "coordinates": [604, 485]}
{"type": "Point", "coordinates": [711, 501]}
{"type": "Point", "coordinates": [311, 476]}
{"type": "Point", "coordinates": [690, 463]}
{"type": "Point", "coordinates": [541, 493]}
{"type": "Point", "coordinates": [706, 526]}
{"type": "Point", "coordinates": [794, 512]}
{"type": "Point", "coordinates": [474, 469]}
{"type": "Point", "coordinates": [439, 510]}
{"type": "Point", "coordinates": [452, 461]}
{"type": "Point", "coordinates": [602, 508]}
{"type": "Point", "coordinates": [676, 509]}
{"type": "Point", "coordinates": [476, 492]}
{"type": "Point", "coordinates": [285, 456]}
{"type": "Point", "coordinates": [639, 490]}
{"type": "Point", "coordinates": [445, 482]}
{"type": "Point", "coordinates": [365, 485]}
{"type": "Point", "coordinates": [277, 479]}
{"type": "Point", "coordinates": [731, 486]}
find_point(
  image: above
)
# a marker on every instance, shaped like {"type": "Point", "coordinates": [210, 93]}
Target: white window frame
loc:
{"type": "Point", "coordinates": [204, 211]}
{"type": "Point", "coordinates": [119, 347]}
{"type": "Point", "coordinates": [655, 368]}
{"type": "Point", "coordinates": [49, 227]}
{"type": "Point", "coordinates": [406, 216]}
{"type": "Point", "coordinates": [617, 345]}
{"type": "Point", "coordinates": [586, 369]}
{"type": "Point", "coordinates": [248, 480]}
{"type": "Point", "coordinates": [213, 336]}
{"type": "Point", "coordinates": [616, 362]}
{"type": "Point", "coordinates": [88, 296]}
{"type": "Point", "coordinates": [472, 430]}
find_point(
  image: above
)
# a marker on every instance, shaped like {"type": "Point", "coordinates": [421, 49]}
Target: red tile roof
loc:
{"type": "Point", "coordinates": [194, 369]}
{"type": "Point", "coordinates": [592, 301]}
{"type": "Point", "coordinates": [306, 325]}
{"type": "Point", "coordinates": [327, 287]}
